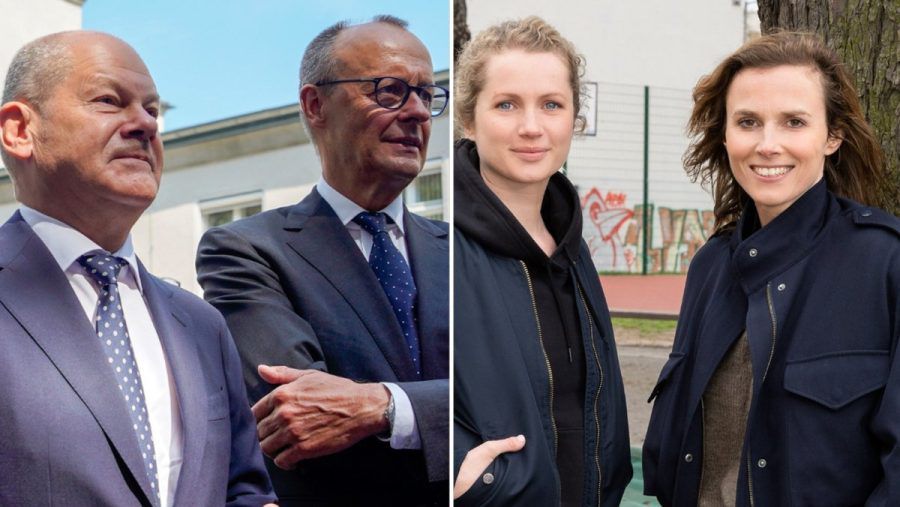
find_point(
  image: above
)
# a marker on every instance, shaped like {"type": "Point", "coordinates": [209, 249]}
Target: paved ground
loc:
{"type": "Point", "coordinates": [640, 368]}
{"type": "Point", "coordinates": [641, 357]}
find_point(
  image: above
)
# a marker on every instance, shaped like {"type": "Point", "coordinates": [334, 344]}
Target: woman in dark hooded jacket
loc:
{"type": "Point", "coordinates": [539, 414]}
{"type": "Point", "coordinates": [783, 386]}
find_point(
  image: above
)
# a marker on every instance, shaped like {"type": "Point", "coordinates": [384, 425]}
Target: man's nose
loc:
{"type": "Point", "coordinates": [140, 124]}
{"type": "Point", "coordinates": [415, 108]}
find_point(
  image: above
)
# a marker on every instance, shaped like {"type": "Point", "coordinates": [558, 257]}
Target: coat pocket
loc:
{"type": "Point", "coordinates": [665, 374]}
{"type": "Point", "coordinates": [837, 379]}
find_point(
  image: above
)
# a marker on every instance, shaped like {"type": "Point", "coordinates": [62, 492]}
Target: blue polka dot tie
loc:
{"type": "Point", "coordinates": [113, 334]}
{"type": "Point", "coordinates": [395, 277]}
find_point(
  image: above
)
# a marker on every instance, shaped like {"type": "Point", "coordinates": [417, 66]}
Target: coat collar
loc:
{"type": "Point", "coordinates": [429, 254]}
{"type": "Point", "coordinates": [758, 254]}
{"type": "Point", "coordinates": [36, 292]}
{"type": "Point", "coordinates": [317, 234]}
{"type": "Point", "coordinates": [174, 327]}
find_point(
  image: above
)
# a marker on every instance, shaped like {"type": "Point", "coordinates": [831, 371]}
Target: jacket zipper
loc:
{"type": "Point", "coordinates": [774, 328]}
{"type": "Point", "coordinates": [587, 312]}
{"type": "Point", "coordinates": [537, 320]}
{"type": "Point", "coordinates": [766, 372]}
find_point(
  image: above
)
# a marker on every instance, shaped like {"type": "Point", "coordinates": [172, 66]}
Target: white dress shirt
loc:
{"type": "Point", "coordinates": [405, 434]}
{"type": "Point", "coordinates": [66, 245]}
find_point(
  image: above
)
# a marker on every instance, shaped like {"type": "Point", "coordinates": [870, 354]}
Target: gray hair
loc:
{"type": "Point", "coordinates": [37, 68]}
{"type": "Point", "coordinates": [318, 62]}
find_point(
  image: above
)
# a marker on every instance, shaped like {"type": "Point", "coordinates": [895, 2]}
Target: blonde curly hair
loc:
{"type": "Point", "coordinates": [531, 34]}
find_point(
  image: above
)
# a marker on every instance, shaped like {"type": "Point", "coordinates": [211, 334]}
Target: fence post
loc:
{"type": "Point", "coordinates": [646, 211]}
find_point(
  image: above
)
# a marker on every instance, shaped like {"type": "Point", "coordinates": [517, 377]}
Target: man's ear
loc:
{"type": "Point", "coordinates": [16, 136]}
{"type": "Point", "coordinates": [312, 105]}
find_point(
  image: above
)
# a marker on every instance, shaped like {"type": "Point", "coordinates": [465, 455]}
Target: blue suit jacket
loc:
{"type": "Point", "coordinates": [66, 433]}
{"type": "Point", "coordinates": [296, 290]}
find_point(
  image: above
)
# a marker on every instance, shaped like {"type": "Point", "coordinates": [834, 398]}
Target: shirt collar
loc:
{"type": "Point", "coordinates": [66, 244]}
{"type": "Point", "coordinates": [346, 210]}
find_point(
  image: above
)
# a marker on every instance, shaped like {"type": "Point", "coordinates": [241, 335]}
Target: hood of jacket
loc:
{"type": "Point", "coordinates": [480, 214]}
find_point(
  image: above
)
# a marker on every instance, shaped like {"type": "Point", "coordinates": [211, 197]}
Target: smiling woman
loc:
{"type": "Point", "coordinates": [539, 415]}
{"type": "Point", "coordinates": [782, 387]}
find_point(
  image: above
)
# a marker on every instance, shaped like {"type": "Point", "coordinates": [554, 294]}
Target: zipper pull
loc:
{"type": "Point", "coordinates": [570, 356]}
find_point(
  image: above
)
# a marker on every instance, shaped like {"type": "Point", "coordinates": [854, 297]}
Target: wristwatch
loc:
{"type": "Point", "coordinates": [389, 413]}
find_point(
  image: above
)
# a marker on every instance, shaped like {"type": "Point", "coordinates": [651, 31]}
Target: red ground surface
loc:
{"type": "Point", "coordinates": [643, 296]}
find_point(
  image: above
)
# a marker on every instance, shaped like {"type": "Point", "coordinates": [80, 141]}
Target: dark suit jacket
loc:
{"type": "Point", "coordinates": [66, 433]}
{"type": "Point", "coordinates": [296, 291]}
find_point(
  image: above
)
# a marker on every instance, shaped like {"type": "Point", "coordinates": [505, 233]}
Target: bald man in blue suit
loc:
{"type": "Point", "coordinates": [116, 389]}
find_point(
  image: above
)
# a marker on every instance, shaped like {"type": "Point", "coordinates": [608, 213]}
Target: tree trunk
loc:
{"type": "Point", "coordinates": [461, 33]}
{"type": "Point", "coordinates": [866, 34]}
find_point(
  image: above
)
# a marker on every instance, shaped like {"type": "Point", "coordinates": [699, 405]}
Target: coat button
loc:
{"type": "Point", "coordinates": [761, 463]}
{"type": "Point", "coordinates": [781, 287]}
{"type": "Point", "coordinates": [688, 457]}
{"type": "Point", "coordinates": [753, 252]}
{"type": "Point", "coordinates": [487, 478]}
{"type": "Point", "coordinates": [866, 213]}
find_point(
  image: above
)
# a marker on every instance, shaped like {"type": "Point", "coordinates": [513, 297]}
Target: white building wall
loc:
{"type": "Point", "coordinates": [663, 45]}
{"type": "Point", "coordinates": [22, 21]}
{"type": "Point", "coordinates": [167, 235]}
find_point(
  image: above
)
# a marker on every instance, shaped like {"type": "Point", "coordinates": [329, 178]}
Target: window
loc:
{"type": "Point", "coordinates": [228, 209]}
{"type": "Point", "coordinates": [425, 195]}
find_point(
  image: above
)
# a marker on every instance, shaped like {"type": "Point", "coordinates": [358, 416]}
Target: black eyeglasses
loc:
{"type": "Point", "coordinates": [393, 92]}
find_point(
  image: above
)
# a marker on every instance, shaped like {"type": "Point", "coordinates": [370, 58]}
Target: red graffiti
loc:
{"type": "Point", "coordinates": [607, 216]}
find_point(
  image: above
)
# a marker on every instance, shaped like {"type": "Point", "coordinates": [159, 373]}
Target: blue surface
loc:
{"type": "Point", "coordinates": [634, 493]}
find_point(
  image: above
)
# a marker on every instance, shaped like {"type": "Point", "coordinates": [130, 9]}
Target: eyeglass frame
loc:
{"type": "Point", "coordinates": [409, 89]}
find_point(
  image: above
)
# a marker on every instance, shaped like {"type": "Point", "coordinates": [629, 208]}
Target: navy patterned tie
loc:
{"type": "Point", "coordinates": [395, 277]}
{"type": "Point", "coordinates": [113, 334]}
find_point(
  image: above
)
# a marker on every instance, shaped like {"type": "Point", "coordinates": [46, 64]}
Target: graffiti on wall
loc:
{"type": "Point", "coordinates": [615, 234]}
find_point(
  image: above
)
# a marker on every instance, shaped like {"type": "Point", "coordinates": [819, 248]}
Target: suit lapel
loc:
{"type": "Point", "coordinates": [174, 329]}
{"type": "Point", "coordinates": [38, 295]}
{"type": "Point", "coordinates": [430, 258]}
{"type": "Point", "coordinates": [317, 235]}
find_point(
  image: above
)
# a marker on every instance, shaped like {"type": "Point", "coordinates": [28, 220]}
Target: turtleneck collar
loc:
{"type": "Point", "coordinates": [760, 253]}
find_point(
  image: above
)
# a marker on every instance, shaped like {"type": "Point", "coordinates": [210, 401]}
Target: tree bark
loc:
{"type": "Point", "coordinates": [461, 33]}
{"type": "Point", "coordinates": [866, 35]}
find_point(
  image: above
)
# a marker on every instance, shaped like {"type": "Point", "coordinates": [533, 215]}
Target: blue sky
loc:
{"type": "Point", "coordinates": [216, 59]}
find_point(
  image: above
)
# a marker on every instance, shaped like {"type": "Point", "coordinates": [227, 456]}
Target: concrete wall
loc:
{"type": "Point", "coordinates": [659, 44]}
{"type": "Point", "coordinates": [167, 235]}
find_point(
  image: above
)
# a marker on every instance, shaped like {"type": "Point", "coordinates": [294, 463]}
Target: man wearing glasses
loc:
{"type": "Point", "coordinates": [339, 304]}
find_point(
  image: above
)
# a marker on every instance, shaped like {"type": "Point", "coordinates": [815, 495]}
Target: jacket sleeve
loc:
{"type": "Point", "coordinates": [430, 400]}
{"type": "Point", "coordinates": [464, 440]}
{"type": "Point", "coordinates": [239, 281]}
{"type": "Point", "coordinates": [886, 422]}
{"type": "Point", "coordinates": [248, 481]}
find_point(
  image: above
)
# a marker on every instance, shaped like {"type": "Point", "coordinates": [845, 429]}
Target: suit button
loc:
{"type": "Point", "coordinates": [688, 458]}
{"type": "Point", "coordinates": [753, 252]}
{"type": "Point", "coordinates": [761, 463]}
{"type": "Point", "coordinates": [487, 478]}
{"type": "Point", "coordinates": [781, 287]}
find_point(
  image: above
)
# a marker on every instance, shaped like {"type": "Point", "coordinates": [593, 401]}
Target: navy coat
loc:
{"type": "Point", "coordinates": [502, 385]}
{"type": "Point", "coordinates": [818, 292]}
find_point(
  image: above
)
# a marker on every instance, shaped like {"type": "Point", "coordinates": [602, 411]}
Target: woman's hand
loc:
{"type": "Point", "coordinates": [478, 459]}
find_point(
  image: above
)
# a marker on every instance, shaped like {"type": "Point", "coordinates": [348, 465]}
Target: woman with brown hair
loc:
{"type": "Point", "coordinates": [539, 413]}
{"type": "Point", "coordinates": [783, 385]}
